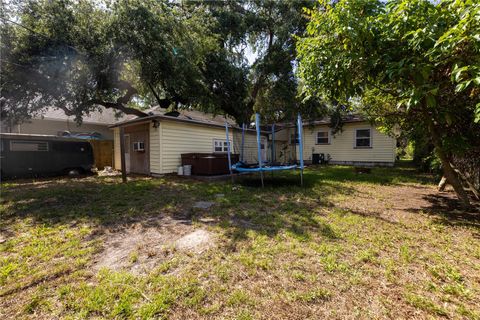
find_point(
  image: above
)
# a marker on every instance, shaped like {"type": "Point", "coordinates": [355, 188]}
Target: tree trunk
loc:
{"type": "Point", "coordinates": [442, 184]}
{"type": "Point", "coordinates": [448, 171]}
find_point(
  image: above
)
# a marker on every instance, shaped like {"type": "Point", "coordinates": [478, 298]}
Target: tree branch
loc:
{"type": "Point", "coordinates": [131, 91]}
{"type": "Point", "coordinates": [163, 103]}
{"type": "Point", "coordinates": [119, 106]}
{"type": "Point", "coordinates": [121, 101]}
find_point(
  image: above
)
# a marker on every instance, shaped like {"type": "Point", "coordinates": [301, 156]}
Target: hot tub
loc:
{"type": "Point", "coordinates": [208, 164]}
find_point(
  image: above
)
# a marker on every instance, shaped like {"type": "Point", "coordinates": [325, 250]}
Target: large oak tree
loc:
{"type": "Point", "coordinates": [128, 55]}
{"type": "Point", "coordinates": [82, 55]}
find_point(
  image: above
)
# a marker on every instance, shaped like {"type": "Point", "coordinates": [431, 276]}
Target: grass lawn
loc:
{"type": "Point", "coordinates": [379, 245]}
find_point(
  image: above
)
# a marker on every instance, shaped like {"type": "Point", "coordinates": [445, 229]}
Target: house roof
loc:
{"type": "Point", "coordinates": [345, 119]}
{"type": "Point", "coordinates": [198, 117]}
{"type": "Point", "coordinates": [101, 116]}
{"type": "Point", "coordinates": [326, 120]}
{"type": "Point", "coordinates": [189, 116]}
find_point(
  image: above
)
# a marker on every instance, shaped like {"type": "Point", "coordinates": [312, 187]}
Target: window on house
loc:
{"type": "Point", "coordinates": [24, 145]}
{"type": "Point", "coordinates": [220, 145]}
{"type": "Point", "coordinates": [139, 146]}
{"type": "Point", "coordinates": [363, 138]}
{"type": "Point", "coordinates": [323, 137]}
{"type": "Point", "coordinates": [294, 138]}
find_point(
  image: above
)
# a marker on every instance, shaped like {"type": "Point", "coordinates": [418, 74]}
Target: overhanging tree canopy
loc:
{"type": "Point", "coordinates": [413, 63]}
{"type": "Point", "coordinates": [77, 56]}
{"type": "Point", "coordinates": [130, 54]}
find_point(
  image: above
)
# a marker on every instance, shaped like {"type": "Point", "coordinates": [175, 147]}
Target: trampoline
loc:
{"type": "Point", "coordinates": [263, 166]}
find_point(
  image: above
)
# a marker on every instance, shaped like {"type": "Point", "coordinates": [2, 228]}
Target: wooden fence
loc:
{"type": "Point", "coordinates": [102, 153]}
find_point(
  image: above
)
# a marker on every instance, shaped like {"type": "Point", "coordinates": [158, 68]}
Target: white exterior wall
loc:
{"type": "Point", "coordinates": [179, 137]}
{"type": "Point", "coordinates": [116, 149]}
{"type": "Point", "coordinates": [155, 143]}
{"type": "Point", "coordinates": [250, 146]}
{"type": "Point", "coordinates": [172, 138]}
{"type": "Point", "coordinates": [342, 148]}
{"type": "Point", "coordinates": [52, 127]}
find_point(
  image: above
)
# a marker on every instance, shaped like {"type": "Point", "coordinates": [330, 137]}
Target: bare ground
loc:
{"type": "Point", "coordinates": [142, 246]}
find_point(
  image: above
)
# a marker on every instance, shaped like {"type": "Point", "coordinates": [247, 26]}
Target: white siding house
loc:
{"type": "Point", "coordinates": [359, 143]}
{"type": "Point", "coordinates": [191, 132]}
{"type": "Point", "coordinates": [167, 137]}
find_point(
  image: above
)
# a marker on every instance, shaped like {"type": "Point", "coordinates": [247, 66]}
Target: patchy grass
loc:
{"type": "Point", "coordinates": [380, 245]}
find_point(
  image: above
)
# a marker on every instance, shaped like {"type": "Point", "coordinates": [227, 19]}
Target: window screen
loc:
{"type": "Point", "coordinates": [322, 137]}
{"type": "Point", "coordinates": [139, 146]}
{"type": "Point", "coordinates": [363, 138]}
{"type": "Point", "coordinates": [25, 145]}
{"type": "Point", "coordinates": [220, 146]}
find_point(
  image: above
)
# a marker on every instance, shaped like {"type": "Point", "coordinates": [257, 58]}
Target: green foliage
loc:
{"type": "Point", "coordinates": [129, 55]}
{"type": "Point", "coordinates": [414, 66]}
{"type": "Point", "coordinates": [263, 31]}
{"type": "Point", "coordinates": [425, 304]}
{"type": "Point", "coordinates": [77, 57]}
{"type": "Point", "coordinates": [411, 63]}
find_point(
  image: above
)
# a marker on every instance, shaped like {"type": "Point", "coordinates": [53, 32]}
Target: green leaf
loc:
{"type": "Point", "coordinates": [431, 101]}
{"type": "Point", "coordinates": [462, 86]}
{"type": "Point", "coordinates": [425, 72]}
{"type": "Point", "coordinates": [457, 73]}
{"type": "Point", "coordinates": [477, 113]}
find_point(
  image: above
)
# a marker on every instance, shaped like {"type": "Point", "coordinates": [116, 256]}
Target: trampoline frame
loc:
{"type": "Point", "coordinates": [261, 168]}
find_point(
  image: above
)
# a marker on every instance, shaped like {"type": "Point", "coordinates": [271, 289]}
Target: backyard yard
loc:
{"type": "Point", "coordinates": [346, 245]}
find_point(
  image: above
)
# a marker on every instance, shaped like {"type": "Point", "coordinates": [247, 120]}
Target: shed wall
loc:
{"type": "Point", "coordinates": [178, 137]}
{"type": "Point", "coordinates": [155, 155]}
{"type": "Point", "coordinates": [116, 149]}
{"type": "Point", "coordinates": [172, 138]}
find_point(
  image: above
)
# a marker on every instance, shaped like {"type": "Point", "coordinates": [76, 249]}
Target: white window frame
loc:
{"type": "Point", "coordinates": [139, 146]}
{"type": "Point", "coordinates": [26, 142]}
{"type": "Point", "coordinates": [328, 137]}
{"type": "Point", "coordinates": [355, 138]}
{"type": "Point", "coordinates": [224, 145]}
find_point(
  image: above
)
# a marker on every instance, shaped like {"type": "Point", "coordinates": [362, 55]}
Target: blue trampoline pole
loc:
{"type": "Point", "coordinates": [228, 151]}
{"type": "Point", "coordinates": [272, 161]}
{"type": "Point", "coordinates": [273, 144]}
{"type": "Point", "coordinates": [300, 141]}
{"type": "Point", "coordinates": [242, 157]}
{"type": "Point", "coordinates": [259, 148]}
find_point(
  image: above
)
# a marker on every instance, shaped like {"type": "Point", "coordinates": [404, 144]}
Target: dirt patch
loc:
{"type": "Point", "coordinates": [196, 241]}
{"type": "Point", "coordinates": [143, 246]}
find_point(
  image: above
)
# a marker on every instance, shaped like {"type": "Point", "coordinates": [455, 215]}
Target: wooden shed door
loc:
{"type": "Point", "coordinates": [139, 148]}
